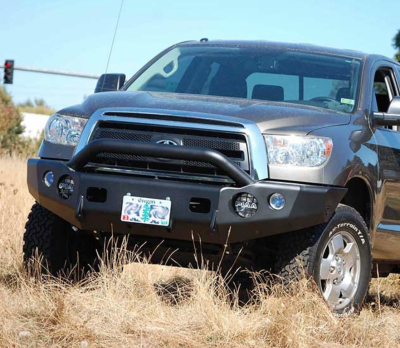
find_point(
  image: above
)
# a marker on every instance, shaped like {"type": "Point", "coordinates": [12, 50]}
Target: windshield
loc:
{"type": "Point", "coordinates": [255, 73]}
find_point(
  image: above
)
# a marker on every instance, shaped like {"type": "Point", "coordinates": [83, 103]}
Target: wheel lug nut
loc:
{"type": "Point", "coordinates": [332, 269]}
{"type": "Point", "coordinates": [335, 281]}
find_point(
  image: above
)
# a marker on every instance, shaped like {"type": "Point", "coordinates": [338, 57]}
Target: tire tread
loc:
{"type": "Point", "coordinates": [38, 234]}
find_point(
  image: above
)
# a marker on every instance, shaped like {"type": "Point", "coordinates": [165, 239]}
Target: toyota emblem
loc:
{"type": "Point", "coordinates": [167, 142]}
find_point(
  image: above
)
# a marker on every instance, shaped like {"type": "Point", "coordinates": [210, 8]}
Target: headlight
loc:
{"type": "Point", "coordinates": [65, 130]}
{"type": "Point", "coordinates": [298, 151]}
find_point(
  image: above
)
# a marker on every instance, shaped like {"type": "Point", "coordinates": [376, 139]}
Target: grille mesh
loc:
{"type": "Point", "coordinates": [212, 144]}
{"type": "Point", "coordinates": [123, 135]}
{"type": "Point", "coordinates": [119, 156]}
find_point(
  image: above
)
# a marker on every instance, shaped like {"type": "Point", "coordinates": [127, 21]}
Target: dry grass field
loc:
{"type": "Point", "coordinates": [123, 309]}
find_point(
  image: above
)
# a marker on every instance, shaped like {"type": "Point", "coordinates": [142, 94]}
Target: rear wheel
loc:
{"type": "Point", "coordinates": [60, 247]}
{"type": "Point", "coordinates": [337, 255]}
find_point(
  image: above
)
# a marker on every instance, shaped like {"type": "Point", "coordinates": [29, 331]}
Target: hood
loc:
{"type": "Point", "coordinates": [271, 117]}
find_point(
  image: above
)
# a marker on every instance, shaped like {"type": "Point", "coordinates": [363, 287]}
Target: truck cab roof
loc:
{"type": "Point", "coordinates": [301, 47]}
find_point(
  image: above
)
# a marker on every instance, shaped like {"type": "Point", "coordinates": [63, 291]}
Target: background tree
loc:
{"type": "Point", "coordinates": [396, 45]}
{"type": "Point", "coordinates": [10, 122]}
{"type": "Point", "coordinates": [38, 106]}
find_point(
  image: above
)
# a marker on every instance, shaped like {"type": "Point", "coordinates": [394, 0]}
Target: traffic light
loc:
{"type": "Point", "coordinates": [8, 71]}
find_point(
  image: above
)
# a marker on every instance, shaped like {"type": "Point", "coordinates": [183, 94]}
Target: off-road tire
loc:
{"type": "Point", "coordinates": [300, 252]}
{"type": "Point", "coordinates": [60, 248]}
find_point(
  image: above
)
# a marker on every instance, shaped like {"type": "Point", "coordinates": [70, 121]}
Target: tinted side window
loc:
{"type": "Point", "coordinates": [383, 89]}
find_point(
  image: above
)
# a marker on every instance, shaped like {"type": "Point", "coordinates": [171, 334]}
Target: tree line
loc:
{"type": "Point", "coordinates": [396, 45]}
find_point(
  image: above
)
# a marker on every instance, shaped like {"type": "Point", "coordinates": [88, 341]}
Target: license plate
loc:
{"type": "Point", "coordinates": [148, 211]}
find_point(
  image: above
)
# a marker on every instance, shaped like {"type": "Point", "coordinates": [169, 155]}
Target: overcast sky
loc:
{"type": "Point", "coordinates": [76, 35]}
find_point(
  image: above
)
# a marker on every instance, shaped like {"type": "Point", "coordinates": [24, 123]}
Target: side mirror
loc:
{"type": "Point", "coordinates": [110, 82]}
{"type": "Point", "coordinates": [391, 117]}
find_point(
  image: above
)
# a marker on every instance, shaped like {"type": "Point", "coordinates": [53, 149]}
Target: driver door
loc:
{"type": "Point", "coordinates": [387, 239]}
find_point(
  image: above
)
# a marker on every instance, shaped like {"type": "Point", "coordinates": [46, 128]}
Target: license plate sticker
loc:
{"type": "Point", "coordinates": [148, 211]}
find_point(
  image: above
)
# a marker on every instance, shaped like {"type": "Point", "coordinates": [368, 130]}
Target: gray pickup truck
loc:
{"type": "Point", "coordinates": [283, 157]}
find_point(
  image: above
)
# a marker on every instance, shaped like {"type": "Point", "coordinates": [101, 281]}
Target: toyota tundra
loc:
{"type": "Point", "coordinates": [284, 157]}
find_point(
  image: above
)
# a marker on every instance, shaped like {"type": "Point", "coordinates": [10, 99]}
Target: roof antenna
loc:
{"type": "Point", "coordinates": [112, 43]}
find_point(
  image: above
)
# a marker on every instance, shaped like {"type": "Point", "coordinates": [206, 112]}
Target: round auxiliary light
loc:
{"type": "Point", "coordinates": [48, 179]}
{"type": "Point", "coordinates": [66, 186]}
{"type": "Point", "coordinates": [277, 201]}
{"type": "Point", "coordinates": [246, 205]}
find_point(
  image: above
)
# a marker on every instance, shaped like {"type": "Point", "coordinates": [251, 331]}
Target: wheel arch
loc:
{"type": "Point", "coordinates": [360, 197]}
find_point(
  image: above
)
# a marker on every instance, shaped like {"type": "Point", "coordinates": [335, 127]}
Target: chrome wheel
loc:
{"type": "Point", "coordinates": [340, 269]}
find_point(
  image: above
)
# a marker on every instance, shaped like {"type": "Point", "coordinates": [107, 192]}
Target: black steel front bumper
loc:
{"type": "Point", "coordinates": [306, 205]}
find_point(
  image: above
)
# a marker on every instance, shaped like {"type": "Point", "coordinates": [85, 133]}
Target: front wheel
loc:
{"type": "Point", "coordinates": [61, 248]}
{"type": "Point", "coordinates": [337, 255]}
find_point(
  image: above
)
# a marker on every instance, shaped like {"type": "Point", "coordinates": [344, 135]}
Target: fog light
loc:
{"type": "Point", "coordinates": [48, 178]}
{"type": "Point", "coordinates": [66, 187]}
{"type": "Point", "coordinates": [246, 205]}
{"type": "Point", "coordinates": [277, 201]}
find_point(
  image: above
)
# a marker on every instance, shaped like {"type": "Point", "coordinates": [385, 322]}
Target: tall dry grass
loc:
{"type": "Point", "coordinates": [132, 308]}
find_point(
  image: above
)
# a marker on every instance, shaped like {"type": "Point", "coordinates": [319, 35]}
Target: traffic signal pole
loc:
{"type": "Point", "coordinates": [52, 72]}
